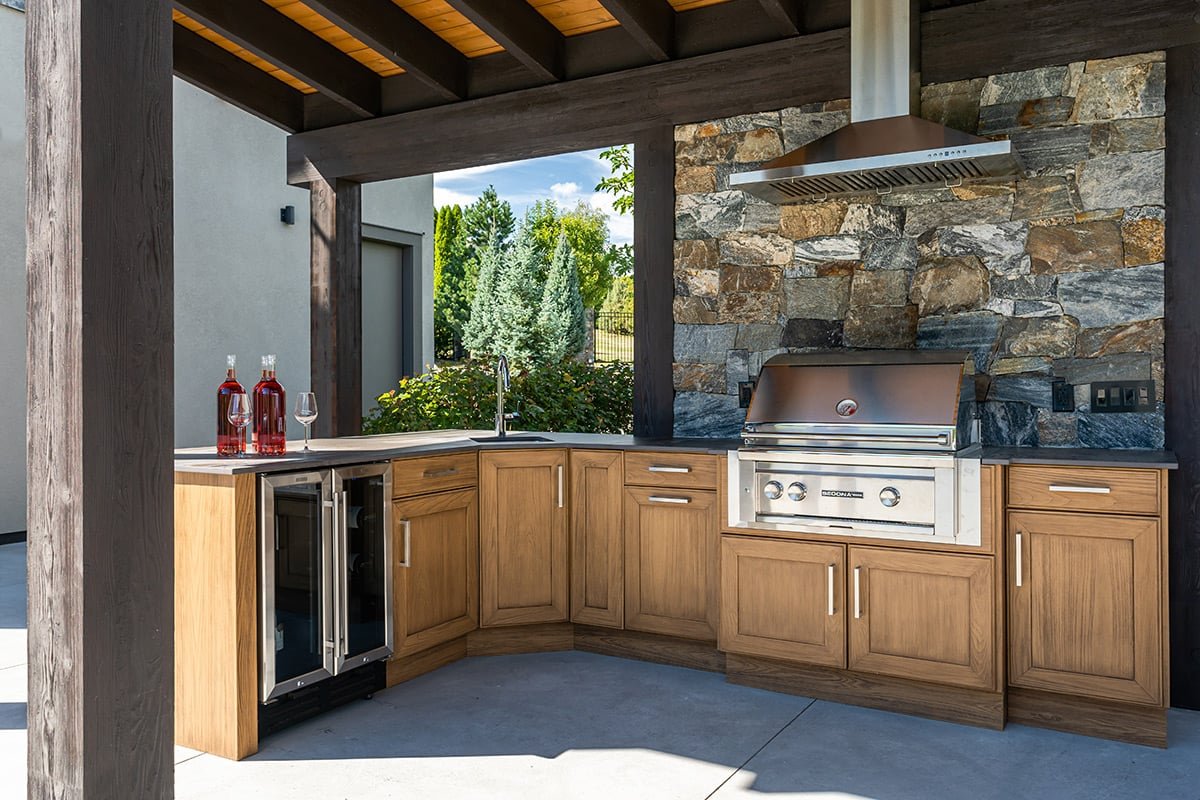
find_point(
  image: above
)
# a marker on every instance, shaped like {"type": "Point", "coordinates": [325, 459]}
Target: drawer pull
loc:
{"type": "Point", "coordinates": [829, 588]}
{"type": "Point", "coordinates": [660, 468]}
{"type": "Point", "coordinates": [660, 499]}
{"type": "Point", "coordinates": [560, 486]}
{"type": "Point", "coordinates": [857, 594]}
{"type": "Point", "coordinates": [1054, 487]}
{"type": "Point", "coordinates": [440, 473]}
{"type": "Point", "coordinates": [407, 525]}
{"type": "Point", "coordinates": [1018, 554]}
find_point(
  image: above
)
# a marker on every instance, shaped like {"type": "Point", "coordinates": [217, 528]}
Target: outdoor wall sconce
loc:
{"type": "Point", "coordinates": [287, 215]}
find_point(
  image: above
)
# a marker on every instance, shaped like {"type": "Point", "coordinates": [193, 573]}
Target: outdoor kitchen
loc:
{"type": "Point", "coordinates": [907, 505]}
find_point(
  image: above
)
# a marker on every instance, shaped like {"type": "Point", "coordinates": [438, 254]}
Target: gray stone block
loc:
{"type": "Point", "coordinates": [1113, 296]}
{"type": "Point", "coordinates": [1122, 430]}
{"type": "Point", "coordinates": [1053, 149]}
{"type": "Point", "coordinates": [1021, 86]}
{"type": "Point", "coordinates": [808, 334]}
{"type": "Point", "coordinates": [960, 212]}
{"type": "Point", "coordinates": [703, 344]}
{"type": "Point", "coordinates": [891, 254]}
{"type": "Point", "coordinates": [703, 414]}
{"type": "Point", "coordinates": [976, 331]}
{"type": "Point", "coordinates": [1122, 180]}
{"type": "Point", "coordinates": [1005, 424]}
{"type": "Point", "coordinates": [1001, 244]}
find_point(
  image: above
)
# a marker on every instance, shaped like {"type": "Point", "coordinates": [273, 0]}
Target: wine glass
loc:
{"type": "Point", "coordinates": [305, 413]}
{"type": "Point", "coordinates": [239, 414]}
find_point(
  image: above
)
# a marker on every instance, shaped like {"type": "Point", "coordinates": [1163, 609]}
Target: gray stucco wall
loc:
{"type": "Point", "coordinates": [241, 276]}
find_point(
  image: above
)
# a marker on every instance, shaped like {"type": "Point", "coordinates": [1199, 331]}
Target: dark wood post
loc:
{"type": "Point", "coordinates": [1182, 357]}
{"type": "Point", "coordinates": [653, 282]}
{"type": "Point", "coordinates": [336, 306]}
{"type": "Point", "coordinates": [100, 399]}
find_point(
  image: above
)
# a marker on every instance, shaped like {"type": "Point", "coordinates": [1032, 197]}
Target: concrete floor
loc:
{"type": "Point", "coordinates": [563, 726]}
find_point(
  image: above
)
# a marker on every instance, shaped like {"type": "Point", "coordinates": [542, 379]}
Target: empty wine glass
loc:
{"type": "Point", "coordinates": [239, 414]}
{"type": "Point", "coordinates": [305, 413]}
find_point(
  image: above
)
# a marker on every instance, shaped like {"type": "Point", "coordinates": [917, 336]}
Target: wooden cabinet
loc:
{"type": "Point", "coordinates": [671, 562]}
{"type": "Point", "coordinates": [597, 540]}
{"type": "Point", "coordinates": [1084, 604]}
{"type": "Point", "coordinates": [783, 600]}
{"type": "Point", "coordinates": [928, 616]}
{"type": "Point", "coordinates": [674, 469]}
{"type": "Point", "coordinates": [523, 537]}
{"type": "Point", "coordinates": [1091, 489]}
{"type": "Point", "coordinates": [436, 567]}
{"type": "Point", "coordinates": [428, 474]}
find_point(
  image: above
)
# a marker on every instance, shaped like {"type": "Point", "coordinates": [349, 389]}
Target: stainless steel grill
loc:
{"type": "Point", "coordinates": [877, 444]}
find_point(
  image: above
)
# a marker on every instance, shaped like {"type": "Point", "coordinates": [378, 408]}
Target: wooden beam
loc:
{"type": "Point", "coordinates": [1182, 396]}
{"type": "Point", "coordinates": [521, 31]}
{"type": "Point", "coordinates": [613, 108]}
{"type": "Point", "coordinates": [219, 72]}
{"type": "Point", "coordinates": [336, 305]}
{"type": "Point", "coordinates": [276, 39]}
{"type": "Point", "coordinates": [653, 282]}
{"type": "Point", "coordinates": [390, 31]}
{"type": "Point", "coordinates": [100, 402]}
{"type": "Point", "coordinates": [651, 23]}
{"type": "Point", "coordinates": [785, 14]}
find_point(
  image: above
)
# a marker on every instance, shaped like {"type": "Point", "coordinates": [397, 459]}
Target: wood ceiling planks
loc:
{"type": "Point", "coordinates": [241, 52]}
{"type": "Point", "coordinates": [313, 22]}
{"type": "Point", "coordinates": [453, 27]}
{"type": "Point", "coordinates": [573, 17]}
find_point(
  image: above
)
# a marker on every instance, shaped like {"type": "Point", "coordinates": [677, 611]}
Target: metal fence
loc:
{"type": "Point", "coordinates": [614, 336]}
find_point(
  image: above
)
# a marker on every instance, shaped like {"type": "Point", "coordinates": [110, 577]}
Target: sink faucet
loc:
{"type": "Point", "coordinates": [502, 382]}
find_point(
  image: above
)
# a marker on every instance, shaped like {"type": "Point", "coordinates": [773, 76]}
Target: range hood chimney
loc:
{"type": "Point", "coordinates": [887, 145]}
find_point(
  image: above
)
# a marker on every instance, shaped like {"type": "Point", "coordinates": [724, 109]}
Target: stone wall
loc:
{"type": "Point", "coordinates": [1056, 274]}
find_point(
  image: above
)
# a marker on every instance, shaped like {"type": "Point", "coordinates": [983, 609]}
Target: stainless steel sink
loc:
{"type": "Point", "coordinates": [514, 439]}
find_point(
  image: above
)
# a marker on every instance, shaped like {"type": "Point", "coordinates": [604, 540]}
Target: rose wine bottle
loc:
{"type": "Point", "coordinates": [270, 412]}
{"type": "Point", "coordinates": [230, 442]}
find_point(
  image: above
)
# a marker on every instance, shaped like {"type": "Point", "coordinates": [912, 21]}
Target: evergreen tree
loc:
{"type": "Point", "coordinates": [518, 298]}
{"type": "Point", "coordinates": [479, 334]}
{"type": "Point", "coordinates": [452, 284]}
{"type": "Point", "coordinates": [561, 317]}
{"type": "Point", "coordinates": [488, 222]}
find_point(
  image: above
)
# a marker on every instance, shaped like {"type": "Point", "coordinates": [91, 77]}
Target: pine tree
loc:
{"type": "Point", "coordinates": [479, 334]}
{"type": "Point", "coordinates": [451, 283]}
{"type": "Point", "coordinates": [561, 316]}
{"type": "Point", "coordinates": [518, 297]}
{"type": "Point", "coordinates": [488, 222]}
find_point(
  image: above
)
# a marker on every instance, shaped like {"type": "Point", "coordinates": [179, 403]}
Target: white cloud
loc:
{"type": "Point", "coordinates": [471, 172]}
{"type": "Point", "coordinates": [449, 197]}
{"type": "Point", "coordinates": [564, 192]}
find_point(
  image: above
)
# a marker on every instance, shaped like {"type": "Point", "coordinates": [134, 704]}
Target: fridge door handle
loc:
{"type": "Point", "coordinates": [343, 577]}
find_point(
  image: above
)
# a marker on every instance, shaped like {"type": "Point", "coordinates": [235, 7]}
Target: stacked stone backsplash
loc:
{"type": "Point", "coordinates": [1058, 274]}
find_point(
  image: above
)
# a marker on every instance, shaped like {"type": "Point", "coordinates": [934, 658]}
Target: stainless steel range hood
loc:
{"type": "Point", "coordinates": [887, 145]}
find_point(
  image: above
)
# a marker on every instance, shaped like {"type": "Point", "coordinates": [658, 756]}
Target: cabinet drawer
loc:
{"type": "Point", "coordinates": [425, 474]}
{"type": "Point", "coordinates": [1124, 491]}
{"type": "Point", "coordinates": [682, 470]}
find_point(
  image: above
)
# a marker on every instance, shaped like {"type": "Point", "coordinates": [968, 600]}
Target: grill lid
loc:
{"type": "Point", "coordinates": [897, 399]}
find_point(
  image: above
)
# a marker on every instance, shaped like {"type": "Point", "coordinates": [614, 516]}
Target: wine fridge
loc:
{"type": "Point", "coordinates": [325, 575]}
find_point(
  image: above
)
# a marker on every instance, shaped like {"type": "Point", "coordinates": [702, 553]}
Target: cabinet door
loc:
{"type": "Point", "coordinates": [523, 537]}
{"type": "Point", "coordinates": [928, 616]}
{"type": "Point", "coordinates": [671, 562]}
{"type": "Point", "coordinates": [436, 553]}
{"type": "Point", "coordinates": [1084, 595]}
{"type": "Point", "coordinates": [597, 545]}
{"type": "Point", "coordinates": [783, 600]}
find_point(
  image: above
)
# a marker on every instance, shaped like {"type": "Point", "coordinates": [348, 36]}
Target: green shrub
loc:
{"type": "Point", "coordinates": [569, 396]}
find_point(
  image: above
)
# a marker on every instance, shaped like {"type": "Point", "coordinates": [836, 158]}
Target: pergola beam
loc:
{"type": "Point", "coordinates": [219, 72]}
{"type": "Point", "coordinates": [281, 42]}
{"type": "Point", "coordinates": [785, 14]}
{"type": "Point", "coordinates": [392, 32]}
{"type": "Point", "coordinates": [520, 30]}
{"type": "Point", "coordinates": [651, 23]}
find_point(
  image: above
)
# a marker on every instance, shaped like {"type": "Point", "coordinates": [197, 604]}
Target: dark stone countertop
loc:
{"type": "Point", "coordinates": [359, 449]}
{"type": "Point", "coordinates": [1080, 457]}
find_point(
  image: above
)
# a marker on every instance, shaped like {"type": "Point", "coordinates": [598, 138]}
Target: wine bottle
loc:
{"type": "Point", "coordinates": [270, 412]}
{"type": "Point", "coordinates": [230, 441]}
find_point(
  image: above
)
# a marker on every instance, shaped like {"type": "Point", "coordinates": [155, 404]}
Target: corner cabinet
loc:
{"type": "Point", "coordinates": [523, 539]}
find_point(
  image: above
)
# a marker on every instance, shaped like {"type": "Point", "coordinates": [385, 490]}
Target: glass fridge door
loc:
{"type": "Point", "coordinates": [296, 628]}
{"type": "Point", "coordinates": [363, 563]}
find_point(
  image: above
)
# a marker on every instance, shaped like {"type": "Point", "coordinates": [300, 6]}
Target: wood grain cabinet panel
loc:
{"type": "Point", "coordinates": [1118, 491]}
{"type": "Point", "coordinates": [927, 616]}
{"type": "Point", "coordinates": [676, 470]}
{"type": "Point", "coordinates": [671, 562]}
{"type": "Point", "coordinates": [783, 600]}
{"type": "Point", "coordinates": [436, 597]}
{"type": "Point", "coordinates": [428, 474]}
{"type": "Point", "coordinates": [523, 537]}
{"type": "Point", "coordinates": [597, 539]}
{"type": "Point", "coordinates": [1084, 595]}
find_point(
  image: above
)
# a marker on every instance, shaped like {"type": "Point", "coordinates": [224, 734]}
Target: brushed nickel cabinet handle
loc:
{"type": "Point", "coordinates": [407, 524]}
{"type": "Point", "coordinates": [660, 499]}
{"type": "Point", "coordinates": [660, 468]}
{"type": "Point", "coordinates": [857, 593]}
{"type": "Point", "coordinates": [1080, 489]}
{"type": "Point", "coordinates": [440, 473]}
{"type": "Point", "coordinates": [829, 588]}
{"type": "Point", "coordinates": [560, 486]}
{"type": "Point", "coordinates": [1017, 547]}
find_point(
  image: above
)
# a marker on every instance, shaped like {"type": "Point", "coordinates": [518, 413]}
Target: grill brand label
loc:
{"type": "Point", "coordinates": [841, 493]}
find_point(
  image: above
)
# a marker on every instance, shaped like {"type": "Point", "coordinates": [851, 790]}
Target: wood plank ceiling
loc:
{"type": "Point", "coordinates": [335, 61]}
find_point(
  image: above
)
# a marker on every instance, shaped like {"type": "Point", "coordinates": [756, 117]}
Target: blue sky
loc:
{"type": "Point", "coordinates": [566, 179]}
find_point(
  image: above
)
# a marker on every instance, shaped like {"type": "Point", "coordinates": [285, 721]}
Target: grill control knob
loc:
{"type": "Point", "coordinates": [797, 492]}
{"type": "Point", "coordinates": [889, 496]}
{"type": "Point", "coordinates": [773, 490]}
